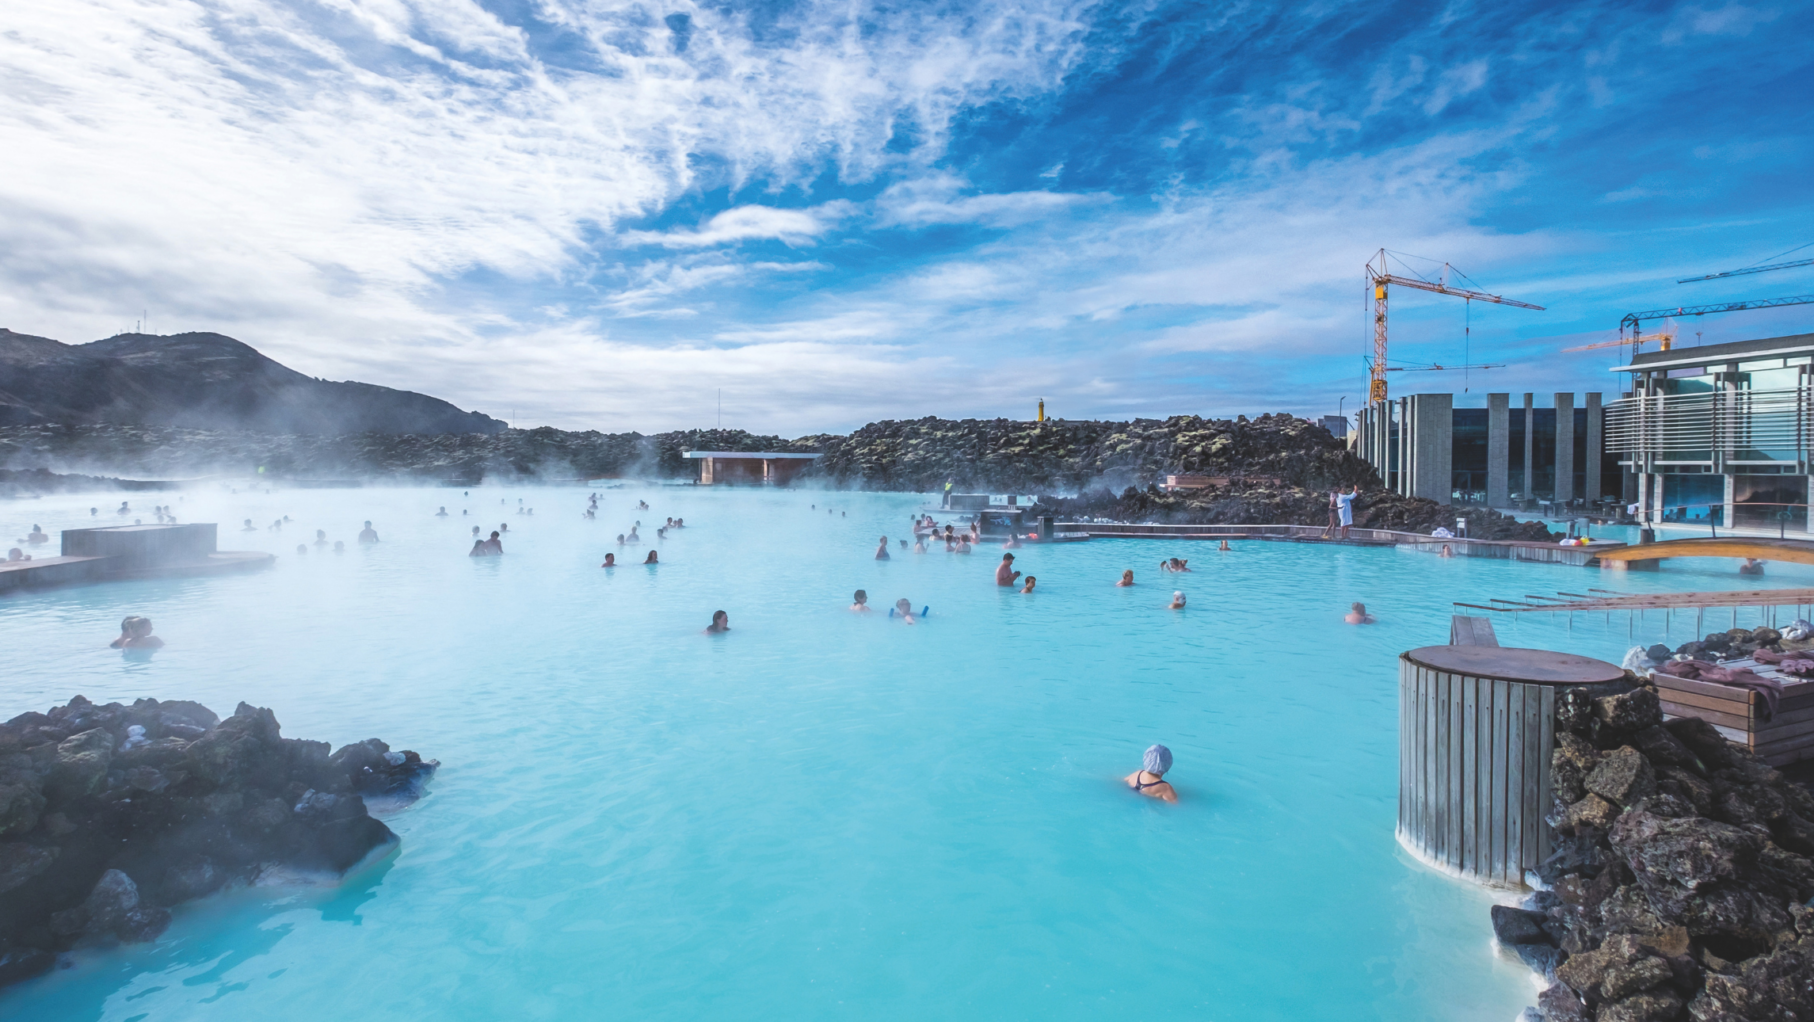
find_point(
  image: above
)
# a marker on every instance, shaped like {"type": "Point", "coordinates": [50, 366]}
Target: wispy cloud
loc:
{"type": "Point", "coordinates": [592, 210]}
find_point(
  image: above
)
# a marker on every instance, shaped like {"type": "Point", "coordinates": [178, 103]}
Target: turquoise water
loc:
{"type": "Point", "coordinates": [820, 815]}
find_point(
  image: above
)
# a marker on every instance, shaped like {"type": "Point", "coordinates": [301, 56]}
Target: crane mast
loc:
{"type": "Point", "coordinates": [1378, 279]}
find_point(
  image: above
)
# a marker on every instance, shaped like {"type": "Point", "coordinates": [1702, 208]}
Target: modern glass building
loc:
{"type": "Point", "coordinates": [1502, 455]}
{"type": "Point", "coordinates": [1719, 434]}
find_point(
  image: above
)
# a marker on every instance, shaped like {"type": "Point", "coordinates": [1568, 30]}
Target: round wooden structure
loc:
{"type": "Point", "coordinates": [1476, 729]}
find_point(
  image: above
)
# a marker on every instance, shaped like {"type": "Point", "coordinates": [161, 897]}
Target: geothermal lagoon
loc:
{"type": "Point", "coordinates": [821, 814]}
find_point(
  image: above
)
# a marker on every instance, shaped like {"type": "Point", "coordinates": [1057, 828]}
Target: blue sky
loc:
{"type": "Point", "coordinates": [600, 215]}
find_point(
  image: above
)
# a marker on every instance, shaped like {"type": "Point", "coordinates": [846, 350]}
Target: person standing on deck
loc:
{"type": "Point", "coordinates": [1345, 505]}
{"type": "Point", "coordinates": [1335, 513]}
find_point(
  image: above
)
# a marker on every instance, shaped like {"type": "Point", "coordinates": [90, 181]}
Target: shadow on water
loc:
{"type": "Point", "coordinates": [209, 945]}
{"type": "Point", "coordinates": [343, 907]}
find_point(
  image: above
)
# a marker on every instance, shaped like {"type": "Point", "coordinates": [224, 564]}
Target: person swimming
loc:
{"type": "Point", "coordinates": [1004, 572]}
{"type": "Point", "coordinates": [721, 622]}
{"type": "Point", "coordinates": [37, 535]}
{"type": "Point", "coordinates": [1357, 615]}
{"type": "Point", "coordinates": [1225, 548]}
{"type": "Point", "coordinates": [1013, 542]}
{"type": "Point", "coordinates": [340, 546]}
{"type": "Point", "coordinates": [882, 550]}
{"type": "Point", "coordinates": [441, 513]}
{"type": "Point", "coordinates": [610, 561]}
{"type": "Point", "coordinates": [861, 604]}
{"type": "Point", "coordinates": [1752, 565]}
{"type": "Point", "coordinates": [368, 534]}
{"type": "Point", "coordinates": [1446, 552]}
{"type": "Point", "coordinates": [1150, 780]}
{"type": "Point", "coordinates": [620, 539]}
{"type": "Point", "coordinates": [919, 544]}
{"type": "Point", "coordinates": [16, 554]}
{"type": "Point", "coordinates": [135, 633]}
{"type": "Point", "coordinates": [1177, 601]}
{"type": "Point", "coordinates": [651, 558]}
{"type": "Point", "coordinates": [903, 609]}
{"type": "Point", "coordinates": [302, 548]}
{"type": "Point", "coordinates": [1029, 586]}
{"type": "Point", "coordinates": [1127, 578]}
{"type": "Point", "coordinates": [249, 526]}
{"type": "Point", "coordinates": [321, 537]}
{"type": "Point", "coordinates": [963, 545]}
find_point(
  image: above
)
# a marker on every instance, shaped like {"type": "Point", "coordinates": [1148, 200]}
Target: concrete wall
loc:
{"type": "Point", "coordinates": [1530, 454]}
{"type": "Point", "coordinates": [1595, 441]}
{"type": "Point", "coordinates": [1498, 450]}
{"type": "Point", "coordinates": [1565, 448]}
{"type": "Point", "coordinates": [142, 546]}
{"type": "Point", "coordinates": [1430, 448]}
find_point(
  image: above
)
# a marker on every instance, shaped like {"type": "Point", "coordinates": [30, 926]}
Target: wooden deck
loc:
{"type": "Point", "coordinates": [1598, 600]}
{"type": "Point", "coordinates": [1797, 551]}
{"type": "Point", "coordinates": [1738, 713]}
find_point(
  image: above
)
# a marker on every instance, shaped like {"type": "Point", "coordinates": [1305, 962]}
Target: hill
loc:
{"type": "Point", "coordinates": [201, 381]}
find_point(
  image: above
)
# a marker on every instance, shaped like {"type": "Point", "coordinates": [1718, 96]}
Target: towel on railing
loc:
{"type": "Point", "coordinates": [1739, 677]}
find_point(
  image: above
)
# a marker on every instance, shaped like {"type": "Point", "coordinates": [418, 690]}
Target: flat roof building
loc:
{"type": "Point", "coordinates": [758, 468]}
{"type": "Point", "coordinates": [1504, 455]}
{"type": "Point", "coordinates": [1719, 434]}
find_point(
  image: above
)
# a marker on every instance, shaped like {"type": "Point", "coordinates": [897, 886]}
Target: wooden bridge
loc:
{"type": "Point", "coordinates": [1798, 551]}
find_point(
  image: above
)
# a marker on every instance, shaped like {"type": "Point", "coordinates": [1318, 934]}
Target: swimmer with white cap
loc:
{"type": "Point", "coordinates": [1177, 600]}
{"type": "Point", "coordinates": [1149, 780]}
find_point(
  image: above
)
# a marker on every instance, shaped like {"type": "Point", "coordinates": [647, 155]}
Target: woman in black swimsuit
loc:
{"type": "Point", "coordinates": [1149, 780]}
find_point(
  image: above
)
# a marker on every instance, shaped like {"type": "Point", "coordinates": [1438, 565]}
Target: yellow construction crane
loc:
{"type": "Point", "coordinates": [1378, 278]}
{"type": "Point", "coordinates": [1667, 337]}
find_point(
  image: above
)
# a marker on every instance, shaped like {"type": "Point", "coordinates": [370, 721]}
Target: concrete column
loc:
{"type": "Point", "coordinates": [1565, 448]}
{"type": "Point", "coordinates": [1596, 439]}
{"type": "Point", "coordinates": [1498, 450]}
{"type": "Point", "coordinates": [1731, 491]}
{"type": "Point", "coordinates": [1431, 445]}
{"type": "Point", "coordinates": [1530, 455]}
{"type": "Point", "coordinates": [1656, 502]}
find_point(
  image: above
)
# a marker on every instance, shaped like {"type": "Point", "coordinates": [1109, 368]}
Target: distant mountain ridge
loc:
{"type": "Point", "coordinates": [202, 381]}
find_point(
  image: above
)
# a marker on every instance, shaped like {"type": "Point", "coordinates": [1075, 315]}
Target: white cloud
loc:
{"type": "Point", "coordinates": [939, 199]}
{"type": "Point", "coordinates": [745, 223]}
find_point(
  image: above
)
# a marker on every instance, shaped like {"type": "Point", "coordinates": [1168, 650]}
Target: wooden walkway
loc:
{"type": "Point", "coordinates": [1608, 600]}
{"type": "Point", "coordinates": [1798, 551]}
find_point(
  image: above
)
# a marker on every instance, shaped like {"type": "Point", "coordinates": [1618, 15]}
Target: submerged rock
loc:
{"type": "Point", "coordinates": [111, 814]}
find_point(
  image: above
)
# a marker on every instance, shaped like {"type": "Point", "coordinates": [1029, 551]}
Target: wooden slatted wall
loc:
{"type": "Point", "coordinates": [1473, 776]}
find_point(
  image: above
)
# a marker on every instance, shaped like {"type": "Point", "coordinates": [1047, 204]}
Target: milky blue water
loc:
{"type": "Point", "coordinates": [820, 815]}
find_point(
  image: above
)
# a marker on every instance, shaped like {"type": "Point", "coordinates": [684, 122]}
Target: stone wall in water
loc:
{"type": "Point", "coordinates": [1680, 883]}
{"type": "Point", "coordinates": [111, 814]}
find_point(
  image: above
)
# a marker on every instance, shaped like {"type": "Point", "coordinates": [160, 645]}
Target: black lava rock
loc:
{"type": "Point", "coordinates": [111, 814]}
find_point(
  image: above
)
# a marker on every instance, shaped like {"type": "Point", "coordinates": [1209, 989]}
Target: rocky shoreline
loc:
{"type": "Point", "coordinates": [1680, 882]}
{"type": "Point", "coordinates": [1275, 469]}
{"type": "Point", "coordinates": [110, 815]}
